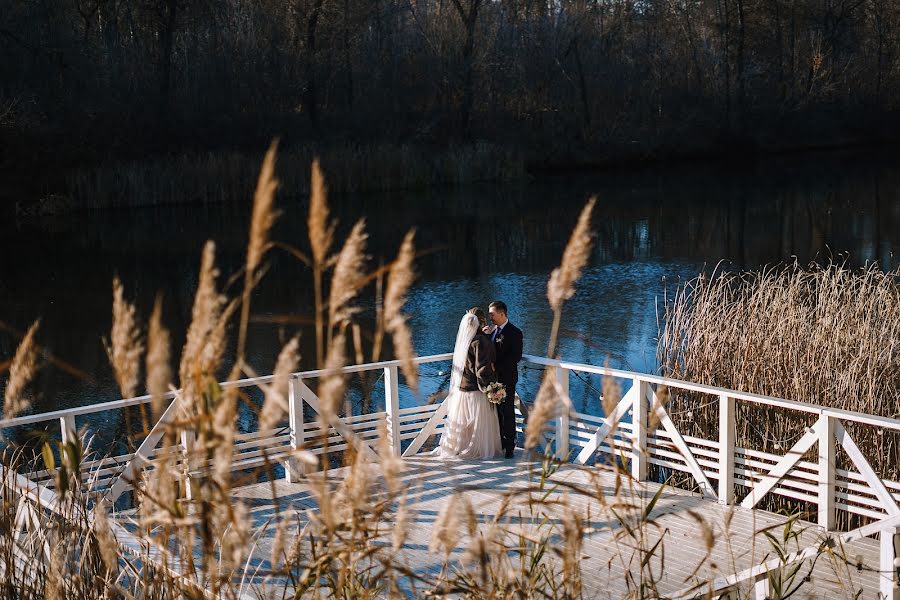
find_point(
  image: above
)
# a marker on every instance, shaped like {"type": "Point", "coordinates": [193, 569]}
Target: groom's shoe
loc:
{"type": "Point", "coordinates": [510, 452]}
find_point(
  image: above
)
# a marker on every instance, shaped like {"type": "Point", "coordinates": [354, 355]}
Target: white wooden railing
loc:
{"type": "Point", "coordinates": [582, 438]}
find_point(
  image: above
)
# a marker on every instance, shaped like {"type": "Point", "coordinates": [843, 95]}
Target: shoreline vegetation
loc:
{"type": "Point", "coordinates": [349, 546]}
{"type": "Point", "coordinates": [223, 176]}
{"type": "Point", "coordinates": [824, 334]}
{"type": "Point", "coordinates": [560, 84]}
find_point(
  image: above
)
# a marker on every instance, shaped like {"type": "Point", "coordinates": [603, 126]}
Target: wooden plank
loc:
{"type": "Point", "coordinates": [432, 482]}
{"type": "Point", "coordinates": [410, 412]}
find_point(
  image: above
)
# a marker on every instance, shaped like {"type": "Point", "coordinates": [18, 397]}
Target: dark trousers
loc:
{"type": "Point", "coordinates": [506, 414]}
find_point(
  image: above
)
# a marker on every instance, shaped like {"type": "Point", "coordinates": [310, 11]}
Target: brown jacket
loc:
{"type": "Point", "coordinates": [479, 370]}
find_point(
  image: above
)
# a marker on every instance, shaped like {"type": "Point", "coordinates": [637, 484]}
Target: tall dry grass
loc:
{"type": "Point", "coordinates": [824, 334]}
{"type": "Point", "coordinates": [22, 369]}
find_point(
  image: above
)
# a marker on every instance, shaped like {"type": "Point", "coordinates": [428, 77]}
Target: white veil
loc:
{"type": "Point", "coordinates": [468, 327]}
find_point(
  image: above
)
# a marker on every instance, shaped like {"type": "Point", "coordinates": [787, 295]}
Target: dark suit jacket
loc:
{"type": "Point", "coordinates": [508, 345]}
{"type": "Point", "coordinates": [479, 369]}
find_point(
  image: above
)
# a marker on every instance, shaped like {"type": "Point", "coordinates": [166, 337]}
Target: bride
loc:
{"type": "Point", "coordinates": [471, 429]}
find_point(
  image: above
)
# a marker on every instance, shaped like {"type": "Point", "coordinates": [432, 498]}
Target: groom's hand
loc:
{"type": "Point", "coordinates": [488, 329]}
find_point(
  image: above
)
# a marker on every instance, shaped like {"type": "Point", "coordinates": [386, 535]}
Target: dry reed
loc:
{"type": "Point", "coordinates": [109, 551]}
{"type": "Point", "coordinates": [348, 277]}
{"type": "Point", "coordinates": [126, 344]}
{"type": "Point", "coordinates": [158, 368]}
{"type": "Point", "coordinates": [276, 394]}
{"type": "Point", "coordinates": [561, 285]}
{"type": "Point", "coordinates": [333, 382]}
{"type": "Point", "coordinates": [55, 588]}
{"type": "Point", "coordinates": [399, 281]}
{"type": "Point", "coordinates": [261, 222]}
{"type": "Point", "coordinates": [546, 407]}
{"type": "Point", "coordinates": [22, 370]}
{"type": "Point", "coordinates": [446, 533]}
{"type": "Point", "coordinates": [321, 235]}
{"type": "Point", "coordinates": [825, 334]}
{"type": "Point", "coordinates": [205, 333]}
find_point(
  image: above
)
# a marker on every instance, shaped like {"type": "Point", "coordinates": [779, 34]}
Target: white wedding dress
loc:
{"type": "Point", "coordinates": [471, 429]}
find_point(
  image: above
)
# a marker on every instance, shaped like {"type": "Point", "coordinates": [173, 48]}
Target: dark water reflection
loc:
{"type": "Point", "coordinates": [486, 242]}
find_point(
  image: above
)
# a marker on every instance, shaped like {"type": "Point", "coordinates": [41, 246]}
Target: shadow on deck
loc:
{"type": "Point", "coordinates": [610, 559]}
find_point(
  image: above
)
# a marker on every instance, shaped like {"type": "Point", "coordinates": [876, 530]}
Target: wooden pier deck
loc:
{"type": "Point", "coordinates": [738, 541]}
{"type": "Point", "coordinates": [719, 537]}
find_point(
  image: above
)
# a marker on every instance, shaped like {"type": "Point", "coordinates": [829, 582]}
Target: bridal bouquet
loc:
{"type": "Point", "coordinates": [496, 392]}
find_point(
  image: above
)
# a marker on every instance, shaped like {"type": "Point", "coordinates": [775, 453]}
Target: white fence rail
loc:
{"type": "Point", "coordinates": [716, 463]}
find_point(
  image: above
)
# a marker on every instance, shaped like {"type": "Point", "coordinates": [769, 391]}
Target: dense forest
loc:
{"type": "Point", "coordinates": [565, 81]}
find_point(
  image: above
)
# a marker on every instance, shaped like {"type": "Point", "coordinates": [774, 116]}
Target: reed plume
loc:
{"type": "Point", "coordinates": [276, 393]}
{"type": "Point", "coordinates": [236, 536]}
{"type": "Point", "coordinates": [545, 408]}
{"type": "Point", "coordinates": [223, 429]}
{"type": "Point", "coordinates": [321, 229]}
{"type": "Point", "coordinates": [391, 464]}
{"type": "Point", "coordinates": [264, 216]}
{"type": "Point", "coordinates": [561, 285]}
{"type": "Point", "coordinates": [611, 394]}
{"type": "Point", "coordinates": [321, 234]}
{"type": "Point", "coordinates": [22, 370]}
{"type": "Point", "coordinates": [278, 543]}
{"type": "Point", "coordinates": [333, 383]}
{"type": "Point", "coordinates": [348, 276]}
{"type": "Point", "coordinates": [106, 541]}
{"type": "Point", "coordinates": [573, 542]}
{"type": "Point", "coordinates": [264, 212]}
{"type": "Point", "coordinates": [446, 533]}
{"type": "Point", "coordinates": [206, 329]}
{"type": "Point", "coordinates": [401, 525]}
{"type": "Point", "coordinates": [399, 281]}
{"type": "Point", "coordinates": [126, 344]}
{"type": "Point", "coordinates": [158, 368]}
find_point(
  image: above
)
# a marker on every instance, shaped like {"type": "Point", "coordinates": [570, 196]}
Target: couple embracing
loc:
{"type": "Point", "coordinates": [481, 415]}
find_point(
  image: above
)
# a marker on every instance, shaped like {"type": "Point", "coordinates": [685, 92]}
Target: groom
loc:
{"type": "Point", "coordinates": [508, 344]}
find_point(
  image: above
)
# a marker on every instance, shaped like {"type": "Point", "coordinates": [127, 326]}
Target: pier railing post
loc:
{"type": "Point", "coordinates": [67, 428]}
{"type": "Point", "coordinates": [392, 406]}
{"type": "Point", "coordinates": [189, 466]}
{"type": "Point", "coordinates": [827, 445]}
{"type": "Point", "coordinates": [562, 419]}
{"type": "Point", "coordinates": [761, 587]}
{"type": "Point", "coordinates": [727, 407]}
{"type": "Point", "coordinates": [639, 430]}
{"type": "Point", "coordinates": [292, 468]}
{"type": "Point", "coordinates": [889, 568]}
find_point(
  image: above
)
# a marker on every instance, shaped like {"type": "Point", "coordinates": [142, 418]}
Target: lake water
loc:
{"type": "Point", "coordinates": [656, 227]}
